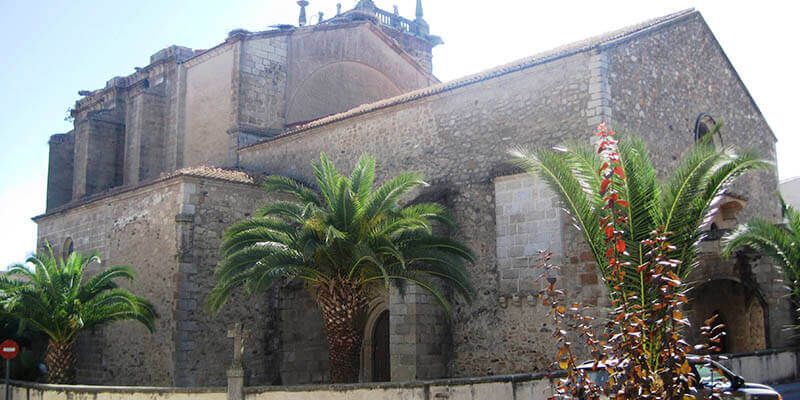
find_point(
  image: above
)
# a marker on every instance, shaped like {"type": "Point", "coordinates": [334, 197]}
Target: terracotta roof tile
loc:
{"type": "Point", "coordinates": [231, 175]}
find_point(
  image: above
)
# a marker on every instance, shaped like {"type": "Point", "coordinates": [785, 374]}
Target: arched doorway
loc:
{"type": "Point", "coordinates": [381, 359]}
{"type": "Point", "coordinates": [740, 308]}
{"type": "Point", "coordinates": [375, 351]}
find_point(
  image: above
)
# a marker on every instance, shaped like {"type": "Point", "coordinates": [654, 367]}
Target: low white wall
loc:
{"type": "Point", "coordinates": [769, 366]}
{"type": "Point", "coordinates": [35, 391]}
{"type": "Point", "coordinates": [511, 387]}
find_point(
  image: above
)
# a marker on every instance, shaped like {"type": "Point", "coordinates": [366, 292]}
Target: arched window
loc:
{"type": "Point", "coordinates": [703, 126]}
{"type": "Point", "coordinates": [68, 248]}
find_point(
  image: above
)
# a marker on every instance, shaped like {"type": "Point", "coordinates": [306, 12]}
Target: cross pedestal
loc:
{"type": "Point", "coordinates": [236, 370]}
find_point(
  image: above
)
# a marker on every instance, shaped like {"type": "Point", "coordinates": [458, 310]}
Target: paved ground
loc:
{"type": "Point", "coordinates": [789, 391]}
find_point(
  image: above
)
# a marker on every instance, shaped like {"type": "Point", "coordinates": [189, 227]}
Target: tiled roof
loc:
{"type": "Point", "coordinates": [788, 180]}
{"type": "Point", "coordinates": [230, 175]}
{"type": "Point", "coordinates": [528, 62]}
{"type": "Point", "coordinates": [213, 172]}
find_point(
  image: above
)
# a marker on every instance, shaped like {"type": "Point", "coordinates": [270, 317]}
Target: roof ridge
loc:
{"type": "Point", "coordinates": [513, 66]}
{"type": "Point", "coordinates": [787, 180]}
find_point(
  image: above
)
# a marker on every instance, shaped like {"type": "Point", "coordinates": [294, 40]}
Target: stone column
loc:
{"type": "Point", "coordinates": [236, 370]}
{"type": "Point", "coordinates": [419, 339]}
{"type": "Point", "coordinates": [236, 382]}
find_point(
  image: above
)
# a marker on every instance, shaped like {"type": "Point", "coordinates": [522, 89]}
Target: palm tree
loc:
{"type": "Point", "coordinates": [780, 242]}
{"type": "Point", "coordinates": [643, 235]}
{"type": "Point", "coordinates": [679, 206]}
{"type": "Point", "coordinates": [343, 240]}
{"type": "Point", "coordinates": [49, 297]}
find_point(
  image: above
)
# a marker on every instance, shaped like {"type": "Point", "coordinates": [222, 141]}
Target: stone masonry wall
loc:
{"type": "Point", "coordinates": [136, 229]}
{"type": "Point", "coordinates": [420, 341]}
{"type": "Point", "coordinates": [303, 341]}
{"type": "Point", "coordinates": [660, 83]}
{"type": "Point", "coordinates": [208, 110]}
{"type": "Point", "coordinates": [262, 81]}
{"type": "Point", "coordinates": [60, 167]}
{"type": "Point", "coordinates": [458, 139]}
{"type": "Point", "coordinates": [144, 135]}
{"type": "Point", "coordinates": [203, 350]}
{"type": "Point", "coordinates": [528, 216]}
{"type": "Point", "coordinates": [99, 150]}
{"type": "Point", "coordinates": [333, 68]}
{"type": "Point", "coordinates": [420, 50]}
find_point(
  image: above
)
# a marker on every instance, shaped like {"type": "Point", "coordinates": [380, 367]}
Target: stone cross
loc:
{"type": "Point", "coordinates": [240, 337]}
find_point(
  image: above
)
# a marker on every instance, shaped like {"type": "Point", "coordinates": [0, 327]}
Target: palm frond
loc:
{"type": "Point", "coordinates": [282, 184]}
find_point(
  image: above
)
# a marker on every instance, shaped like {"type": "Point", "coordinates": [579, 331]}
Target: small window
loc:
{"type": "Point", "coordinates": [68, 248]}
{"type": "Point", "coordinates": [705, 125]}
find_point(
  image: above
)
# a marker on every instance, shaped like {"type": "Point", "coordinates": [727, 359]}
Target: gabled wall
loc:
{"type": "Point", "coordinates": [659, 84]}
{"type": "Point", "coordinates": [336, 68]}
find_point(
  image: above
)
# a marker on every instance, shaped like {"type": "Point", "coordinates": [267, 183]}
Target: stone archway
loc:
{"type": "Point", "coordinates": [377, 320]}
{"type": "Point", "coordinates": [381, 357]}
{"type": "Point", "coordinates": [740, 308]}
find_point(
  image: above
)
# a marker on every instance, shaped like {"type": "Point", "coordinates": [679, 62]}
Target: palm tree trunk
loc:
{"type": "Point", "coordinates": [60, 362]}
{"type": "Point", "coordinates": [343, 306]}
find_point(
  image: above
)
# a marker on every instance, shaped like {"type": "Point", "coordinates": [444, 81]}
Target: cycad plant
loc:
{"type": "Point", "coordinates": [50, 296]}
{"type": "Point", "coordinates": [343, 239]}
{"type": "Point", "coordinates": [780, 242]}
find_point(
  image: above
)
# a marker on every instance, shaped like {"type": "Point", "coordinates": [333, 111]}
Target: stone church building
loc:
{"type": "Point", "coordinates": [162, 161]}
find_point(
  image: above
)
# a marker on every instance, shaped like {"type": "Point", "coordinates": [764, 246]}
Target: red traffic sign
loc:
{"type": "Point", "coordinates": [9, 349]}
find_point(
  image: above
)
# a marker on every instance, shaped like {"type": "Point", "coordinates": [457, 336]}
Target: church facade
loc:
{"type": "Point", "coordinates": [161, 162]}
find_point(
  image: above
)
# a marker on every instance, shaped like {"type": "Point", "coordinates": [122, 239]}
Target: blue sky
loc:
{"type": "Point", "coordinates": [55, 48]}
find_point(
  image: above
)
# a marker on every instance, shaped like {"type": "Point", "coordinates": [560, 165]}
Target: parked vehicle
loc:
{"type": "Point", "coordinates": [711, 376]}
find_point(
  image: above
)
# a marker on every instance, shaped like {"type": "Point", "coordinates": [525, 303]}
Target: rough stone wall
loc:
{"type": "Point", "coordinates": [144, 135]}
{"type": "Point", "coordinates": [262, 81]}
{"type": "Point", "coordinates": [304, 346]}
{"type": "Point", "coordinates": [458, 139]}
{"type": "Point", "coordinates": [208, 107]}
{"type": "Point", "coordinates": [136, 229]}
{"type": "Point", "coordinates": [174, 77]}
{"type": "Point", "coordinates": [170, 232]}
{"type": "Point", "coordinates": [99, 153]}
{"type": "Point", "coordinates": [60, 167]}
{"type": "Point", "coordinates": [660, 83]}
{"type": "Point", "coordinates": [420, 50]}
{"type": "Point", "coordinates": [203, 350]}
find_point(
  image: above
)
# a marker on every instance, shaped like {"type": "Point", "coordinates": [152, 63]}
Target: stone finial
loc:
{"type": "Point", "coordinates": [422, 27]}
{"type": "Point", "coordinates": [338, 9]}
{"type": "Point", "coordinates": [302, 4]}
{"type": "Point", "coordinates": [396, 10]}
{"type": "Point", "coordinates": [365, 4]}
{"type": "Point", "coordinates": [321, 17]}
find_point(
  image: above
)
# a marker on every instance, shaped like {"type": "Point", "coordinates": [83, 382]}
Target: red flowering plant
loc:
{"type": "Point", "coordinates": [643, 235]}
